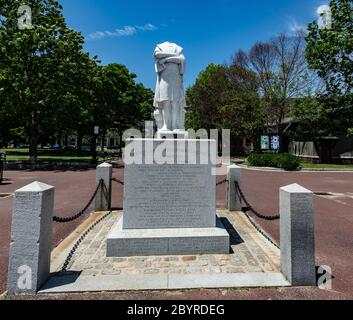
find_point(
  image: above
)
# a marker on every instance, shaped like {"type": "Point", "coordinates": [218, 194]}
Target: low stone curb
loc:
{"type": "Point", "coordinates": [75, 283]}
{"type": "Point", "coordinates": [327, 170]}
{"type": "Point", "coordinates": [298, 170]}
{"type": "Point", "coordinates": [243, 166]}
{"type": "Point", "coordinates": [48, 166]}
{"type": "Point", "coordinates": [56, 166]}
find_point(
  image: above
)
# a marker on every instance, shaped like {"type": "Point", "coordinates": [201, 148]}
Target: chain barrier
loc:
{"type": "Point", "coordinates": [261, 231]}
{"type": "Point", "coordinates": [118, 181]}
{"type": "Point", "coordinates": [252, 222]}
{"type": "Point", "coordinates": [222, 182]}
{"type": "Point", "coordinates": [122, 182]}
{"type": "Point", "coordinates": [79, 214]}
{"type": "Point", "coordinates": [250, 207]}
{"type": "Point", "coordinates": [80, 240]}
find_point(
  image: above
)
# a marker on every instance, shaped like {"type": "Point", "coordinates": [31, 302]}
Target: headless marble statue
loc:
{"type": "Point", "coordinates": [169, 101]}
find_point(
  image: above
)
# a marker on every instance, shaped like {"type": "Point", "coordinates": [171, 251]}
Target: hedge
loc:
{"type": "Point", "coordinates": [274, 160]}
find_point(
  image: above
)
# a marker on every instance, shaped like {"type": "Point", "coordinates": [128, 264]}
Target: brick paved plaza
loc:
{"type": "Point", "coordinates": [250, 253]}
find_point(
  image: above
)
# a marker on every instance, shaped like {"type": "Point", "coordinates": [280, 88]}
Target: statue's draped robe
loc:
{"type": "Point", "coordinates": [170, 77]}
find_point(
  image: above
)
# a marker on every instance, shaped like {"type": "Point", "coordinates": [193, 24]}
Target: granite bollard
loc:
{"type": "Point", "coordinates": [104, 172]}
{"type": "Point", "coordinates": [233, 198]}
{"type": "Point", "coordinates": [31, 238]}
{"type": "Point", "coordinates": [297, 235]}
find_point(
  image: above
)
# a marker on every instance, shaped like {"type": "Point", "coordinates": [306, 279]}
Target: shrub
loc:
{"type": "Point", "coordinates": [274, 160]}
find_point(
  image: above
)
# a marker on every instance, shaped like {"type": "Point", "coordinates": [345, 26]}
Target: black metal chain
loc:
{"type": "Point", "coordinates": [222, 182]}
{"type": "Point", "coordinates": [250, 208]}
{"type": "Point", "coordinates": [79, 241]}
{"type": "Point", "coordinates": [118, 181]}
{"type": "Point", "coordinates": [259, 229]}
{"type": "Point", "coordinates": [122, 182]}
{"type": "Point", "coordinates": [79, 214]}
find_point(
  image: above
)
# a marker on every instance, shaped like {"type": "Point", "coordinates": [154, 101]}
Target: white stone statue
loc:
{"type": "Point", "coordinates": [169, 101]}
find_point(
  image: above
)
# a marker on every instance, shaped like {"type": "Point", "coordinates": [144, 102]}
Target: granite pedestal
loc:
{"type": "Point", "coordinates": [177, 134]}
{"type": "Point", "coordinates": [170, 206]}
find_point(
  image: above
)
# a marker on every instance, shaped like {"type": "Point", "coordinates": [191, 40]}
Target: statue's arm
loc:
{"type": "Point", "coordinates": [162, 55]}
{"type": "Point", "coordinates": [180, 59]}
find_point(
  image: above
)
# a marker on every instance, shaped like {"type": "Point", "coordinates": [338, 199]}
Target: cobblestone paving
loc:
{"type": "Point", "coordinates": [250, 253]}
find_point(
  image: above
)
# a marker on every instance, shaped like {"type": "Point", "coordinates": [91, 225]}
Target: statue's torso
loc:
{"type": "Point", "coordinates": [170, 81]}
{"type": "Point", "coordinates": [170, 84]}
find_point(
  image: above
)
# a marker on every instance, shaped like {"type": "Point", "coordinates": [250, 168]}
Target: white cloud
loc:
{"type": "Point", "coordinates": [147, 27]}
{"type": "Point", "coordinates": [126, 31]}
{"type": "Point", "coordinates": [322, 9]}
{"type": "Point", "coordinates": [325, 16]}
{"type": "Point", "coordinates": [295, 27]}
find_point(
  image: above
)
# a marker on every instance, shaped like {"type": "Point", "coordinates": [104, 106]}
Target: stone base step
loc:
{"type": "Point", "coordinates": [154, 242]}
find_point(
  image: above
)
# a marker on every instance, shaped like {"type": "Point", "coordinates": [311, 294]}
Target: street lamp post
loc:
{"type": "Point", "coordinates": [94, 144]}
{"type": "Point", "coordinates": [2, 165]}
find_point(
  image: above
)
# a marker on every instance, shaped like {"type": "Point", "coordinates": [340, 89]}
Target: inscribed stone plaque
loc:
{"type": "Point", "coordinates": [158, 196]}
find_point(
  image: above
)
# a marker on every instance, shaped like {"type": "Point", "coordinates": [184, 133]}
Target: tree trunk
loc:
{"type": "Point", "coordinates": [256, 144]}
{"type": "Point", "coordinates": [120, 142]}
{"type": "Point", "coordinates": [33, 148]}
{"type": "Point", "coordinates": [94, 149]}
{"type": "Point", "coordinates": [60, 138]}
{"type": "Point", "coordinates": [66, 140]}
{"type": "Point", "coordinates": [103, 142]}
{"type": "Point", "coordinates": [33, 143]}
{"type": "Point", "coordinates": [79, 141]}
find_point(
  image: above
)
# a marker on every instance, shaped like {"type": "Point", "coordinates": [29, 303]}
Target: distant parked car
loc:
{"type": "Point", "coordinates": [56, 147]}
{"type": "Point", "coordinates": [70, 148]}
{"type": "Point", "coordinates": [114, 147]}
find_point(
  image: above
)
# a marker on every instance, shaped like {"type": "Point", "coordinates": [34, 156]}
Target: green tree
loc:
{"type": "Point", "coordinates": [205, 98]}
{"type": "Point", "coordinates": [312, 119]}
{"type": "Point", "coordinates": [117, 101]}
{"type": "Point", "coordinates": [282, 72]}
{"type": "Point", "coordinates": [242, 110]}
{"type": "Point", "coordinates": [329, 51]}
{"type": "Point", "coordinates": [226, 97]}
{"type": "Point", "coordinates": [41, 65]}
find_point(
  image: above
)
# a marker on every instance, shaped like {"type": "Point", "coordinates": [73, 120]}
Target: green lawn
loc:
{"type": "Point", "coordinates": [47, 155]}
{"type": "Point", "coordinates": [306, 165]}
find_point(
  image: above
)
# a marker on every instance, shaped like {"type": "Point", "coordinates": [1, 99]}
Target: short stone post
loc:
{"type": "Point", "coordinates": [233, 198]}
{"type": "Point", "coordinates": [297, 235]}
{"type": "Point", "coordinates": [31, 238]}
{"type": "Point", "coordinates": [104, 171]}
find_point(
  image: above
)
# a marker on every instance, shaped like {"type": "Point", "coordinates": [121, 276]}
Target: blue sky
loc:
{"type": "Point", "coordinates": [126, 31]}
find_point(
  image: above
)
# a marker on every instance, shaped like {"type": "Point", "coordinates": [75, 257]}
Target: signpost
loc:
{"type": "Point", "coordinates": [96, 130]}
{"type": "Point", "coordinates": [265, 143]}
{"type": "Point", "coordinates": [270, 143]}
{"type": "Point", "coordinates": [275, 143]}
{"type": "Point", "coordinates": [2, 164]}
